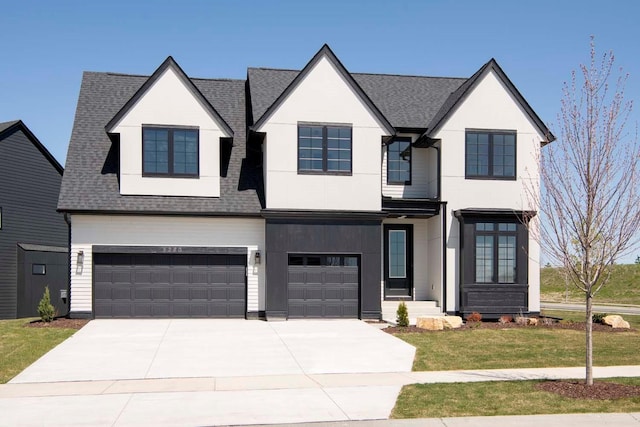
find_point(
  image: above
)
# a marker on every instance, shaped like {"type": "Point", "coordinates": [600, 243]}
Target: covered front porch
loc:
{"type": "Point", "coordinates": [413, 257]}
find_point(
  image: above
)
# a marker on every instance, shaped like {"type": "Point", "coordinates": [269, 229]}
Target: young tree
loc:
{"type": "Point", "coordinates": [590, 182]}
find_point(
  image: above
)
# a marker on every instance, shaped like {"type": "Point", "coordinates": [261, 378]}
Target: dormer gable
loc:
{"type": "Point", "coordinates": [326, 55]}
{"type": "Point", "coordinates": [457, 98]}
{"type": "Point", "coordinates": [169, 137]}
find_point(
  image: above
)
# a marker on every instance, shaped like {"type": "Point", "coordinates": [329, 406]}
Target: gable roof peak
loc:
{"type": "Point", "coordinates": [7, 128]}
{"type": "Point", "coordinates": [166, 64]}
{"type": "Point", "coordinates": [325, 51]}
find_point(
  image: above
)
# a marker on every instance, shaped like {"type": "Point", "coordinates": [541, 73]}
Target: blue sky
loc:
{"type": "Point", "coordinates": [47, 45]}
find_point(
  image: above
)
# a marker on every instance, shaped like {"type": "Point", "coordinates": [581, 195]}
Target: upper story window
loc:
{"type": "Point", "coordinates": [495, 252]}
{"type": "Point", "coordinates": [169, 152]}
{"type": "Point", "coordinates": [324, 149]}
{"type": "Point", "coordinates": [490, 155]}
{"type": "Point", "coordinates": [399, 161]}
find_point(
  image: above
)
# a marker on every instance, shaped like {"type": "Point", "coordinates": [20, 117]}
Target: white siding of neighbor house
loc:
{"type": "Point", "coordinates": [423, 166]}
{"type": "Point", "coordinates": [489, 106]}
{"type": "Point", "coordinates": [169, 102]}
{"type": "Point", "coordinates": [323, 96]}
{"type": "Point", "coordinates": [434, 261]}
{"type": "Point", "coordinates": [89, 230]}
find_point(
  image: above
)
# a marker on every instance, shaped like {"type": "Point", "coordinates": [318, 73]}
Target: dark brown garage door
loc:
{"type": "Point", "coordinates": [169, 285]}
{"type": "Point", "coordinates": [323, 286]}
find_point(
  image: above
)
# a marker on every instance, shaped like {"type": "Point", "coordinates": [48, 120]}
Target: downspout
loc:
{"type": "Point", "coordinates": [67, 219]}
{"type": "Point", "coordinates": [443, 213]}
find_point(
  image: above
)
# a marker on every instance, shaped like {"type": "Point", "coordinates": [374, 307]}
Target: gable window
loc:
{"type": "Point", "coordinates": [399, 161]}
{"type": "Point", "coordinates": [490, 155]}
{"type": "Point", "coordinates": [324, 149]}
{"type": "Point", "coordinates": [38, 269]}
{"type": "Point", "coordinates": [170, 152]}
{"type": "Point", "coordinates": [495, 252]}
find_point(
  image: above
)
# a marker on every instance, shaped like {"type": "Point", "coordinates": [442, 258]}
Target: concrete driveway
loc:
{"type": "Point", "coordinates": [210, 372]}
{"type": "Point", "coordinates": [186, 348]}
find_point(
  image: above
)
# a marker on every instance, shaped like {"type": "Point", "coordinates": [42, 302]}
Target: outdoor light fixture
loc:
{"type": "Point", "coordinates": [257, 257]}
{"type": "Point", "coordinates": [80, 262]}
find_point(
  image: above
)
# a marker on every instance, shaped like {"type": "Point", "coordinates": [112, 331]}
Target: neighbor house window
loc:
{"type": "Point", "coordinates": [399, 161]}
{"type": "Point", "coordinates": [169, 152]}
{"type": "Point", "coordinates": [495, 252]}
{"type": "Point", "coordinates": [490, 155]}
{"type": "Point", "coordinates": [38, 269]}
{"type": "Point", "coordinates": [324, 149]}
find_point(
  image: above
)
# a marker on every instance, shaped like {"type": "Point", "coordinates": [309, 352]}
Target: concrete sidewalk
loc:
{"type": "Point", "coordinates": [272, 399]}
{"type": "Point", "coordinates": [556, 420]}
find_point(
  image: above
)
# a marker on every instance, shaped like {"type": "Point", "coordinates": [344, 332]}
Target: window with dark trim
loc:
{"type": "Point", "coordinates": [495, 252]}
{"type": "Point", "coordinates": [490, 155]}
{"type": "Point", "coordinates": [38, 269]}
{"type": "Point", "coordinates": [324, 149]}
{"type": "Point", "coordinates": [324, 260]}
{"type": "Point", "coordinates": [399, 161]}
{"type": "Point", "coordinates": [170, 152]}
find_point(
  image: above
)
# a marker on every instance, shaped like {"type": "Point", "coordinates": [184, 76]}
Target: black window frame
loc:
{"type": "Point", "coordinates": [491, 175]}
{"type": "Point", "coordinates": [325, 150]}
{"type": "Point", "coordinates": [170, 172]}
{"type": "Point", "coordinates": [410, 161]}
{"type": "Point", "coordinates": [495, 233]}
{"type": "Point", "coordinates": [322, 260]}
{"type": "Point", "coordinates": [35, 272]}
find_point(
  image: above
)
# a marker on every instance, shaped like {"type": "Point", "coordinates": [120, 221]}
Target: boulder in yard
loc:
{"type": "Point", "coordinates": [452, 322]}
{"type": "Point", "coordinates": [533, 321]}
{"type": "Point", "coordinates": [616, 321]}
{"type": "Point", "coordinates": [430, 323]}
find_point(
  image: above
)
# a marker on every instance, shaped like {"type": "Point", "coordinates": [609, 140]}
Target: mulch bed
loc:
{"type": "Point", "coordinates": [576, 326]}
{"type": "Point", "coordinates": [60, 322]}
{"type": "Point", "coordinates": [598, 391]}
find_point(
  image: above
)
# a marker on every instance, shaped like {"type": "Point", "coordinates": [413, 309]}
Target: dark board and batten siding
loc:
{"type": "Point", "coordinates": [323, 236]}
{"type": "Point", "coordinates": [29, 187]}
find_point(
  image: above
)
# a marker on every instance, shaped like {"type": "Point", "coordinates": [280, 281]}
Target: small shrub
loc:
{"type": "Point", "coordinates": [474, 317]}
{"type": "Point", "coordinates": [547, 321]}
{"type": "Point", "coordinates": [505, 318]}
{"type": "Point", "coordinates": [598, 317]}
{"type": "Point", "coordinates": [402, 315]}
{"type": "Point", "coordinates": [46, 310]}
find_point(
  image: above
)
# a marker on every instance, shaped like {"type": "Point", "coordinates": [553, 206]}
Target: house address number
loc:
{"type": "Point", "coordinates": [171, 249]}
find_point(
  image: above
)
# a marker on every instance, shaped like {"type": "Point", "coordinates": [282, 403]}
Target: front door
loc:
{"type": "Point", "coordinates": [398, 261]}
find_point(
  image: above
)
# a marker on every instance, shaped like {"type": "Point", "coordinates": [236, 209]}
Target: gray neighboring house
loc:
{"type": "Point", "coordinates": [33, 235]}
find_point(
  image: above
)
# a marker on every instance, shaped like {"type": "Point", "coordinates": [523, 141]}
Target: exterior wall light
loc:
{"type": "Point", "coordinates": [257, 257]}
{"type": "Point", "coordinates": [80, 262]}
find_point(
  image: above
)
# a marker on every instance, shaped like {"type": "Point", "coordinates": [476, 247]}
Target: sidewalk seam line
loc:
{"type": "Point", "coordinates": [115, 422]}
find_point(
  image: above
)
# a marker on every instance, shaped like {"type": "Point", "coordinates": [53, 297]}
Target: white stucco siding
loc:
{"type": "Point", "coordinates": [168, 102]}
{"type": "Point", "coordinates": [489, 106]}
{"type": "Point", "coordinates": [89, 230]}
{"type": "Point", "coordinates": [322, 97]}
{"type": "Point", "coordinates": [423, 166]}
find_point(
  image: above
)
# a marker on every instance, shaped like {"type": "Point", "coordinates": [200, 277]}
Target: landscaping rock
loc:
{"type": "Point", "coordinates": [452, 322]}
{"type": "Point", "coordinates": [430, 323]}
{"type": "Point", "coordinates": [616, 321]}
{"type": "Point", "coordinates": [533, 321]}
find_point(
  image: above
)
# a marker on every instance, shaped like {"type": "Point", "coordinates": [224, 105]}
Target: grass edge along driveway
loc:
{"type": "Point", "coordinates": [20, 346]}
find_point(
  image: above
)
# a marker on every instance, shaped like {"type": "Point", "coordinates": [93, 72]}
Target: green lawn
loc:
{"type": "Point", "coordinates": [531, 347]}
{"type": "Point", "coordinates": [499, 398]}
{"type": "Point", "coordinates": [623, 288]}
{"type": "Point", "coordinates": [21, 346]}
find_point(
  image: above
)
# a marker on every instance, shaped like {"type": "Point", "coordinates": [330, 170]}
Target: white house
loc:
{"type": "Point", "coordinates": [312, 193]}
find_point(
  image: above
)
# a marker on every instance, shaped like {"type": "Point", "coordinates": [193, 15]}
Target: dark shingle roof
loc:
{"type": "Point", "coordinates": [90, 182]}
{"type": "Point", "coordinates": [6, 125]}
{"type": "Point", "coordinates": [406, 101]}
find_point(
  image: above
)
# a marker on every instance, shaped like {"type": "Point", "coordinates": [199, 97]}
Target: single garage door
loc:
{"type": "Point", "coordinates": [169, 285]}
{"type": "Point", "coordinates": [323, 286]}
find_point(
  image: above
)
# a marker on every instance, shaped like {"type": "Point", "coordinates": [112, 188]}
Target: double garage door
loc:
{"type": "Point", "coordinates": [169, 285]}
{"type": "Point", "coordinates": [323, 286]}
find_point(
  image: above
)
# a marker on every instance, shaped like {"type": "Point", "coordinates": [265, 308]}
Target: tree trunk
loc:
{"type": "Point", "coordinates": [589, 336]}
